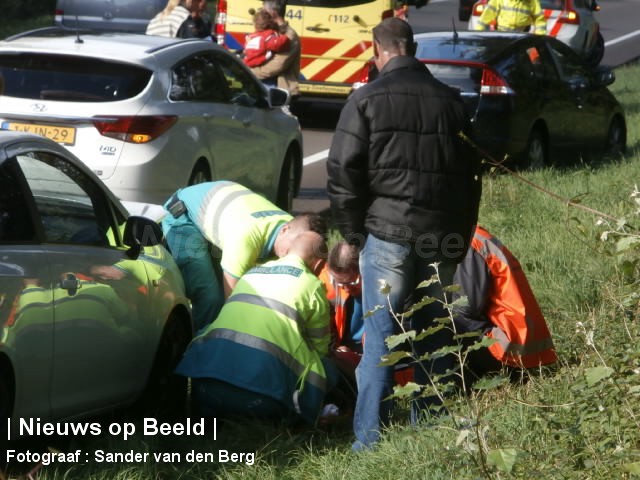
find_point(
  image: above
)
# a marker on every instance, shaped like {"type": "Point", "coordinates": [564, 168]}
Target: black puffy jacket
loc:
{"type": "Point", "coordinates": [397, 167]}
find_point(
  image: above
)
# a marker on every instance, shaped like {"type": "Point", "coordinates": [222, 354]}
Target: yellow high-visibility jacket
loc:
{"type": "Point", "coordinates": [269, 337]}
{"type": "Point", "coordinates": [513, 16]}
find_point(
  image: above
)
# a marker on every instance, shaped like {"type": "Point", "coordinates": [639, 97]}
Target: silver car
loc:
{"type": "Point", "coordinates": [571, 21]}
{"type": "Point", "coordinates": [151, 114]}
{"type": "Point", "coordinates": [92, 307]}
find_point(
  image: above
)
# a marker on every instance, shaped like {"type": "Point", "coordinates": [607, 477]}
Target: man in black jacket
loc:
{"type": "Point", "coordinates": [405, 187]}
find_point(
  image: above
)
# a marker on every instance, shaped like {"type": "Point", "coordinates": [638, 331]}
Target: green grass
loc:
{"type": "Point", "coordinates": [12, 27]}
{"type": "Point", "coordinates": [565, 424]}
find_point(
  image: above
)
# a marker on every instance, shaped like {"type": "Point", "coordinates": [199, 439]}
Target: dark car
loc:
{"type": "Point", "coordinates": [464, 9]}
{"type": "Point", "coordinates": [530, 97]}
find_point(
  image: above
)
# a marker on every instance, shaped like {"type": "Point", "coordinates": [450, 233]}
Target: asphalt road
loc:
{"type": "Point", "coordinates": [618, 24]}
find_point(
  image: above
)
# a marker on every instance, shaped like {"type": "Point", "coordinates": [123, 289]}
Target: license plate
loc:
{"type": "Point", "coordinates": [57, 133]}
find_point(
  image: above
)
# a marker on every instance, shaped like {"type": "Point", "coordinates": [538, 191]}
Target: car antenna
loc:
{"type": "Point", "coordinates": [78, 39]}
{"type": "Point", "coordinates": [455, 32]}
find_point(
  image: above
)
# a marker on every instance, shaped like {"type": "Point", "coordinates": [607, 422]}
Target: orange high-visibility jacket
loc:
{"type": "Point", "coordinates": [502, 304]}
{"type": "Point", "coordinates": [337, 297]}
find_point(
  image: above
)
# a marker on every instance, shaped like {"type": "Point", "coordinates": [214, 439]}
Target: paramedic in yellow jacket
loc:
{"type": "Point", "coordinates": [246, 227]}
{"type": "Point", "coordinates": [513, 16]}
{"type": "Point", "coordinates": [265, 354]}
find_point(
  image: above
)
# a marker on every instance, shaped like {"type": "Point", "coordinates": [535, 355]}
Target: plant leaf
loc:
{"type": "Point", "coordinates": [476, 333]}
{"type": "Point", "coordinates": [371, 312]}
{"type": "Point", "coordinates": [459, 302]}
{"type": "Point", "coordinates": [418, 305]}
{"type": "Point", "coordinates": [446, 350]}
{"type": "Point", "coordinates": [384, 287]}
{"type": "Point", "coordinates": [635, 390]}
{"type": "Point", "coordinates": [452, 288]}
{"type": "Point", "coordinates": [393, 358]}
{"type": "Point", "coordinates": [596, 374]}
{"type": "Point", "coordinates": [625, 243]}
{"type": "Point", "coordinates": [485, 342]}
{"type": "Point", "coordinates": [429, 331]}
{"type": "Point", "coordinates": [428, 282]}
{"type": "Point", "coordinates": [406, 390]}
{"type": "Point", "coordinates": [462, 436]}
{"type": "Point", "coordinates": [632, 467]}
{"type": "Point", "coordinates": [503, 458]}
{"type": "Point", "coordinates": [395, 340]}
{"type": "Point", "coordinates": [489, 383]}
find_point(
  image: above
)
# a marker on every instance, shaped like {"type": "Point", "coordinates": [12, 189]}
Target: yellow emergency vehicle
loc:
{"type": "Point", "coordinates": [335, 37]}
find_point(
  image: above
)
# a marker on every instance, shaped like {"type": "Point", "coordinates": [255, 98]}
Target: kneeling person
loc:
{"type": "Point", "coordinates": [265, 354]}
{"type": "Point", "coordinates": [502, 306]}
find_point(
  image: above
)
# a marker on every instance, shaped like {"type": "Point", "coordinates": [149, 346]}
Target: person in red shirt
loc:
{"type": "Point", "coordinates": [264, 42]}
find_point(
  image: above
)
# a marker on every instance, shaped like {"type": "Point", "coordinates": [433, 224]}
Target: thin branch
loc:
{"type": "Point", "coordinates": [491, 161]}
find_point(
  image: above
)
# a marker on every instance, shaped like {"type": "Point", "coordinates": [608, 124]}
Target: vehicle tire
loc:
{"type": "Point", "coordinates": [6, 400]}
{"type": "Point", "coordinates": [616, 143]}
{"type": "Point", "coordinates": [596, 54]}
{"type": "Point", "coordinates": [536, 155]}
{"type": "Point", "coordinates": [288, 183]}
{"type": "Point", "coordinates": [6, 405]}
{"type": "Point", "coordinates": [166, 393]}
{"type": "Point", "coordinates": [200, 174]}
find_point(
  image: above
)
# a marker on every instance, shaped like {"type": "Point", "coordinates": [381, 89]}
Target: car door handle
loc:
{"type": "Point", "coordinates": [70, 283]}
{"type": "Point", "coordinates": [245, 121]}
{"type": "Point", "coordinates": [318, 29]}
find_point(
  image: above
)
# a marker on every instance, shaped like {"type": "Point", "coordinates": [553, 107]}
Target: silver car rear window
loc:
{"type": "Point", "coordinates": [69, 78]}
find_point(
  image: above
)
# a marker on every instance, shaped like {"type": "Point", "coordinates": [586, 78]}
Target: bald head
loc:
{"type": "Point", "coordinates": [311, 248]}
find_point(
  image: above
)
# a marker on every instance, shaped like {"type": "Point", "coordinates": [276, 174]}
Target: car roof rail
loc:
{"type": "Point", "coordinates": [177, 41]}
{"type": "Point", "coordinates": [54, 31]}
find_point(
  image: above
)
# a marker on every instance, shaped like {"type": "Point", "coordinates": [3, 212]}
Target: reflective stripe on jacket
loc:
{"type": "Point", "coordinates": [242, 223]}
{"type": "Point", "coordinates": [513, 15]}
{"type": "Point", "coordinates": [270, 337]}
{"type": "Point", "coordinates": [341, 321]}
{"type": "Point", "coordinates": [337, 297]}
{"type": "Point", "coordinates": [501, 302]}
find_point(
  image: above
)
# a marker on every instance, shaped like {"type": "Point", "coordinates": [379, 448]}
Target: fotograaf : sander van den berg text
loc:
{"type": "Point", "coordinates": [102, 456]}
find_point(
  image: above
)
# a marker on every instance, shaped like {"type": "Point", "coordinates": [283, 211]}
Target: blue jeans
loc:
{"type": "Point", "coordinates": [402, 268]}
{"type": "Point", "coordinates": [190, 250]}
{"type": "Point", "coordinates": [211, 397]}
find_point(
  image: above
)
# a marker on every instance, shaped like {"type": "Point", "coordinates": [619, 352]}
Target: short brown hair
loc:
{"type": "Point", "coordinates": [262, 20]}
{"type": "Point", "coordinates": [344, 258]}
{"type": "Point", "coordinates": [311, 221]}
{"type": "Point", "coordinates": [395, 35]}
